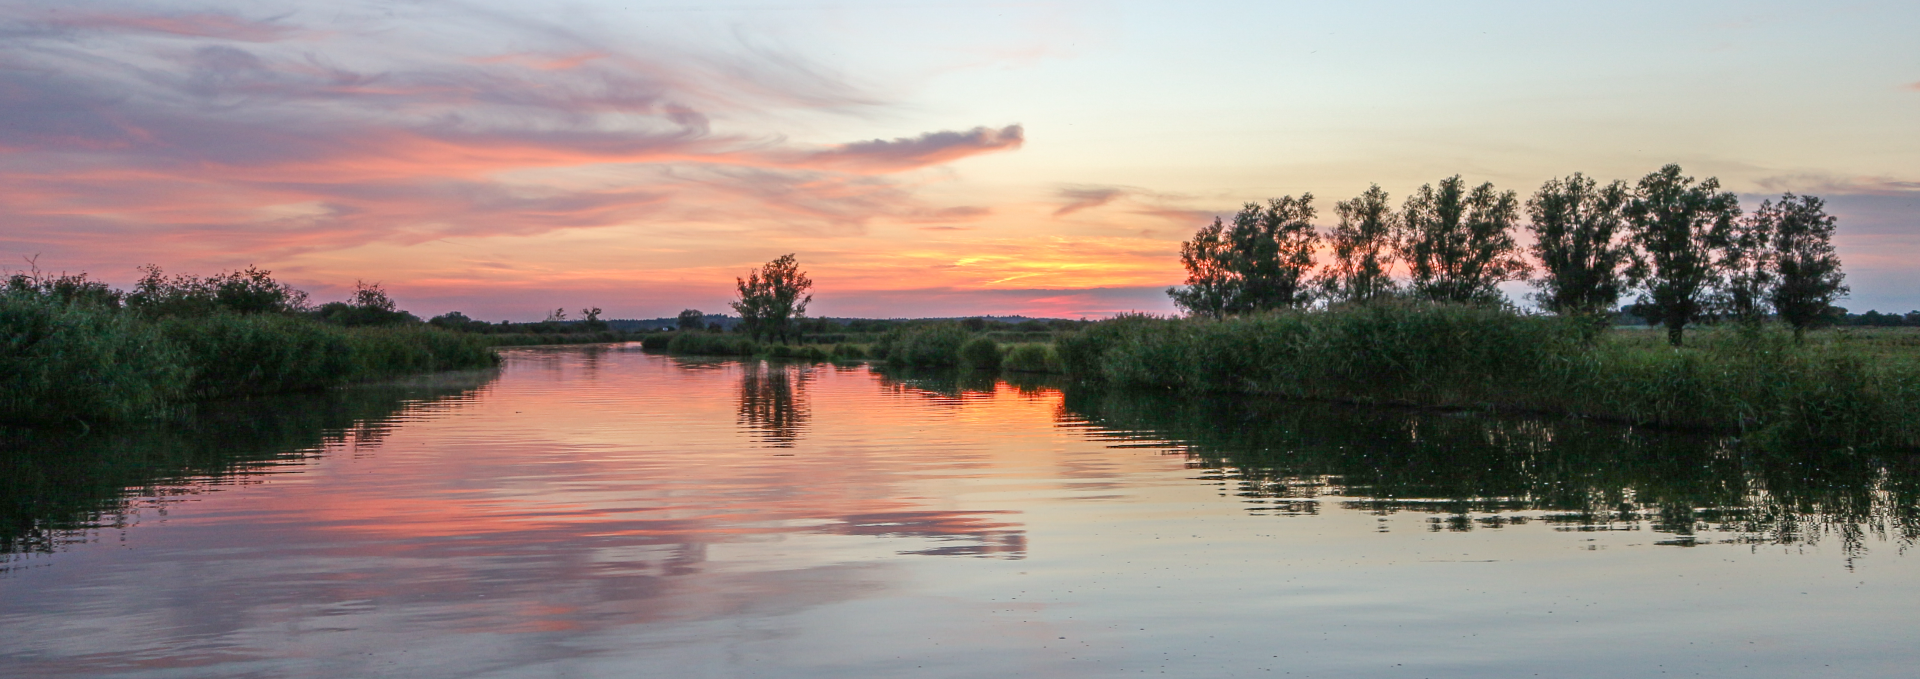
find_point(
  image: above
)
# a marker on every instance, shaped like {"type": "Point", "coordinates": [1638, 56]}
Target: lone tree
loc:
{"type": "Point", "coordinates": [1362, 249]}
{"type": "Point", "coordinates": [1458, 245]}
{"type": "Point", "coordinates": [772, 297]}
{"type": "Point", "coordinates": [691, 319]}
{"type": "Point", "coordinates": [1579, 230]}
{"type": "Point", "coordinates": [1677, 225]}
{"type": "Point", "coordinates": [1808, 271]}
{"type": "Point", "coordinates": [1261, 262]}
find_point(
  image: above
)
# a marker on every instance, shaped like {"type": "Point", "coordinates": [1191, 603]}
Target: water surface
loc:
{"type": "Point", "coordinates": [599, 511]}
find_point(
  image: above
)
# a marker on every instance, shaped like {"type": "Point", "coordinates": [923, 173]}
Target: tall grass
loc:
{"type": "Point", "coordinates": [72, 361]}
{"type": "Point", "coordinates": [1762, 385]}
{"type": "Point", "coordinates": [75, 361]}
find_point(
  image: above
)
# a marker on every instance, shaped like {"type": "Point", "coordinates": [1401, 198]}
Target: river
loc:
{"type": "Point", "coordinates": [604, 512]}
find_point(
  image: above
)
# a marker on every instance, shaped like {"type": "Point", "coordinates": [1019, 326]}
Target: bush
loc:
{"type": "Point", "coordinates": [848, 352]}
{"type": "Point", "coordinates": [935, 344]}
{"type": "Point", "coordinates": [711, 344]}
{"type": "Point", "coordinates": [980, 353]}
{"type": "Point", "coordinates": [61, 361]}
{"type": "Point", "coordinates": [1031, 358]}
{"type": "Point", "coordinates": [656, 341]}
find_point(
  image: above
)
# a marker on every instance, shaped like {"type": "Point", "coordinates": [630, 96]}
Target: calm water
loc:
{"type": "Point", "coordinates": [601, 512]}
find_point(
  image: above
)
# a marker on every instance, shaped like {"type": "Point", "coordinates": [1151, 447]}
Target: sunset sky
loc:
{"type": "Point", "coordinates": [920, 158]}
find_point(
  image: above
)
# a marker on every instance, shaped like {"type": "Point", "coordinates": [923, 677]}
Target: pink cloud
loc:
{"type": "Point", "coordinates": [240, 147]}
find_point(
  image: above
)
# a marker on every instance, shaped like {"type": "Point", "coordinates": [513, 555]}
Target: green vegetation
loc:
{"type": "Point", "coordinates": [1770, 389]}
{"type": "Point", "coordinates": [73, 349]}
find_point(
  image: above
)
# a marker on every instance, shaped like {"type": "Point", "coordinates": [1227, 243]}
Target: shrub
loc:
{"type": "Point", "coordinates": [935, 344]}
{"type": "Point", "coordinates": [655, 341]}
{"type": "Point", "coordinates": [1031, 358]}
{"type": "Point", "coordinates": [60, 361]}
{"type": "Point", "coordinates": [711, 344]}
{"type": "Point", "coordinates": [848, 352]}
{"type": "Point", "coordinates": [980, 353]}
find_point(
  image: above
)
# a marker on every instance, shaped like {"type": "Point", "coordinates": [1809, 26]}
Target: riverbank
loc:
{"type": "Point", "coordinates": [72, 362]}
{"type": "Point", "coordinates": [1829, 391]}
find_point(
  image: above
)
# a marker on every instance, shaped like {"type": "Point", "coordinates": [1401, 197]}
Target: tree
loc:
{"type": "Point", "coordinates": [1362, 249]}
{"type": "Point", "coordinates": [1676, 225]}
{"type": "Point", "coordinates": [1210, 278]}
{"type": "Point", "coordinates": [1579, 230]}
{"type": "Point", "coordinates": [1261, 262]}
{"type": "Point", "coordinates": [691, 319]}
{"type": "Point", "coordinates": [1275, 258]}
{"type": "Point", "coordinates": [1458, 245]}
{"type": "Point", "coordinates": [1809, 276]}
{"type": "Point", "coordinates": [772, 297]}
{"type": "Point", "coordinates": [1747, 266]}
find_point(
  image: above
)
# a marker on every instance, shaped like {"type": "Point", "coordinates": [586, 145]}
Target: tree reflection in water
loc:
{"type": "Point", "coordinates": [773, 401]}
{"type": "Point", "coordinates": [1482, 471]}
{"type": "Point", "coordinates": [59, 487]}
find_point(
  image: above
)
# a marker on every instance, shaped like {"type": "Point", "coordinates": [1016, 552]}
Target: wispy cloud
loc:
{"type": "Point", "coordinates": [932, 148]}
{"type": "Point", "coordinates": [1820, 183]}
{"type": "Point", "coordinates": [1087, 197]}
{"type": "Point", "coordinates": [151, 130]}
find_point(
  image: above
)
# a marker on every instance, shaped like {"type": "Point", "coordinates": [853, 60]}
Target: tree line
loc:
{"type": "Point", "coordinates": [1683, 246]}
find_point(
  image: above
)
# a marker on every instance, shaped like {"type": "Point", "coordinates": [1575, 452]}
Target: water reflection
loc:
{"type": "Point", "coordinates": [1483, 471]}
{"type": "Point", "coordinates": [61, 487]}
{"type": "Point", "coordinates": [773, 401]}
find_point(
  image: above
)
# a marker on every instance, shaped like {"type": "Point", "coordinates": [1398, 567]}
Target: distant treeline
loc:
{"type": "Point", "coordinates": [1684, 247]}
{"type": "Point", "coordinates": [76, 349]}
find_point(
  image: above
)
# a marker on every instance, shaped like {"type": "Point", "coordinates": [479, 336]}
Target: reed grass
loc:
{"type": "Point", "coordinates": [1763, 385]}
{"type": "Point", "coordinates": [92, 363]}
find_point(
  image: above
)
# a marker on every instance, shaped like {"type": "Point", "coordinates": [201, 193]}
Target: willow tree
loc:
{"type": "Point", "coordinates": [1458, 244]}
{"type": "Point", "coordinates": [1677, 225]}
{"type": "Point", "coordinates": [1579, 230]}
{"type": "Point", "coordinates": [1264, 260]}
{"type": "Point", "coordinates": [773, 297]}
{"type": "Point", "coordinates": [1808, 276]}
{"type": "Point", "coordinates": [1362, 244]}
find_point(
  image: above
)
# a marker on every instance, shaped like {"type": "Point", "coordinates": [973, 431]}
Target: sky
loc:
{"type": "Point", "coordinates": [919, 158]}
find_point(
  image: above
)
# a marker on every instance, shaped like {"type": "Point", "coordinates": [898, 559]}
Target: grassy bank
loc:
{"type": "Point", "coordinates": [1760, 384]}
{"type": "Point", "coordinates": [72, 361]}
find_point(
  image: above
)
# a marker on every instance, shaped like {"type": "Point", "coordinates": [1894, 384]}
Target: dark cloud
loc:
{"type": "Point", "coordinates": [932, 148]}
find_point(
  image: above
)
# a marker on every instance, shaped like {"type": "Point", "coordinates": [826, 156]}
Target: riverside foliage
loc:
{"type": "Point", "coordinates": [1767, 387]}
{"type": "Point", "coordinates": [73, 349]}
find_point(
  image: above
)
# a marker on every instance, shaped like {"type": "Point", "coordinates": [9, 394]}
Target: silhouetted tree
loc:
{"type": "Point", "coordinates": [1458, 245]}
{"type": "Point", "coordinates": [369, 305]}
{"type": "Point", "coordinates": [690, 319]}
{"type": "Point", "coordinates": [1809, 276]}
{"type": "Point", "coordinates": [1262, 262]}
{"type": "Point", "coordinates": [1276, 258]}
{"type": "Point", "coordinates": [1579, 230]}
{"type": "Point", "coordinates": [1362, 249]}
{"type": "Point", "coordinates": [1210, 278]}
{"type": "Point", "coordinates": [772, 297]}
{"type": "Point", "coordinates": [1676, 225]}
{"type": "Point", "coordinates": [250, 291]}
{"type": "Point", "coordinates": [1747, 266]}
